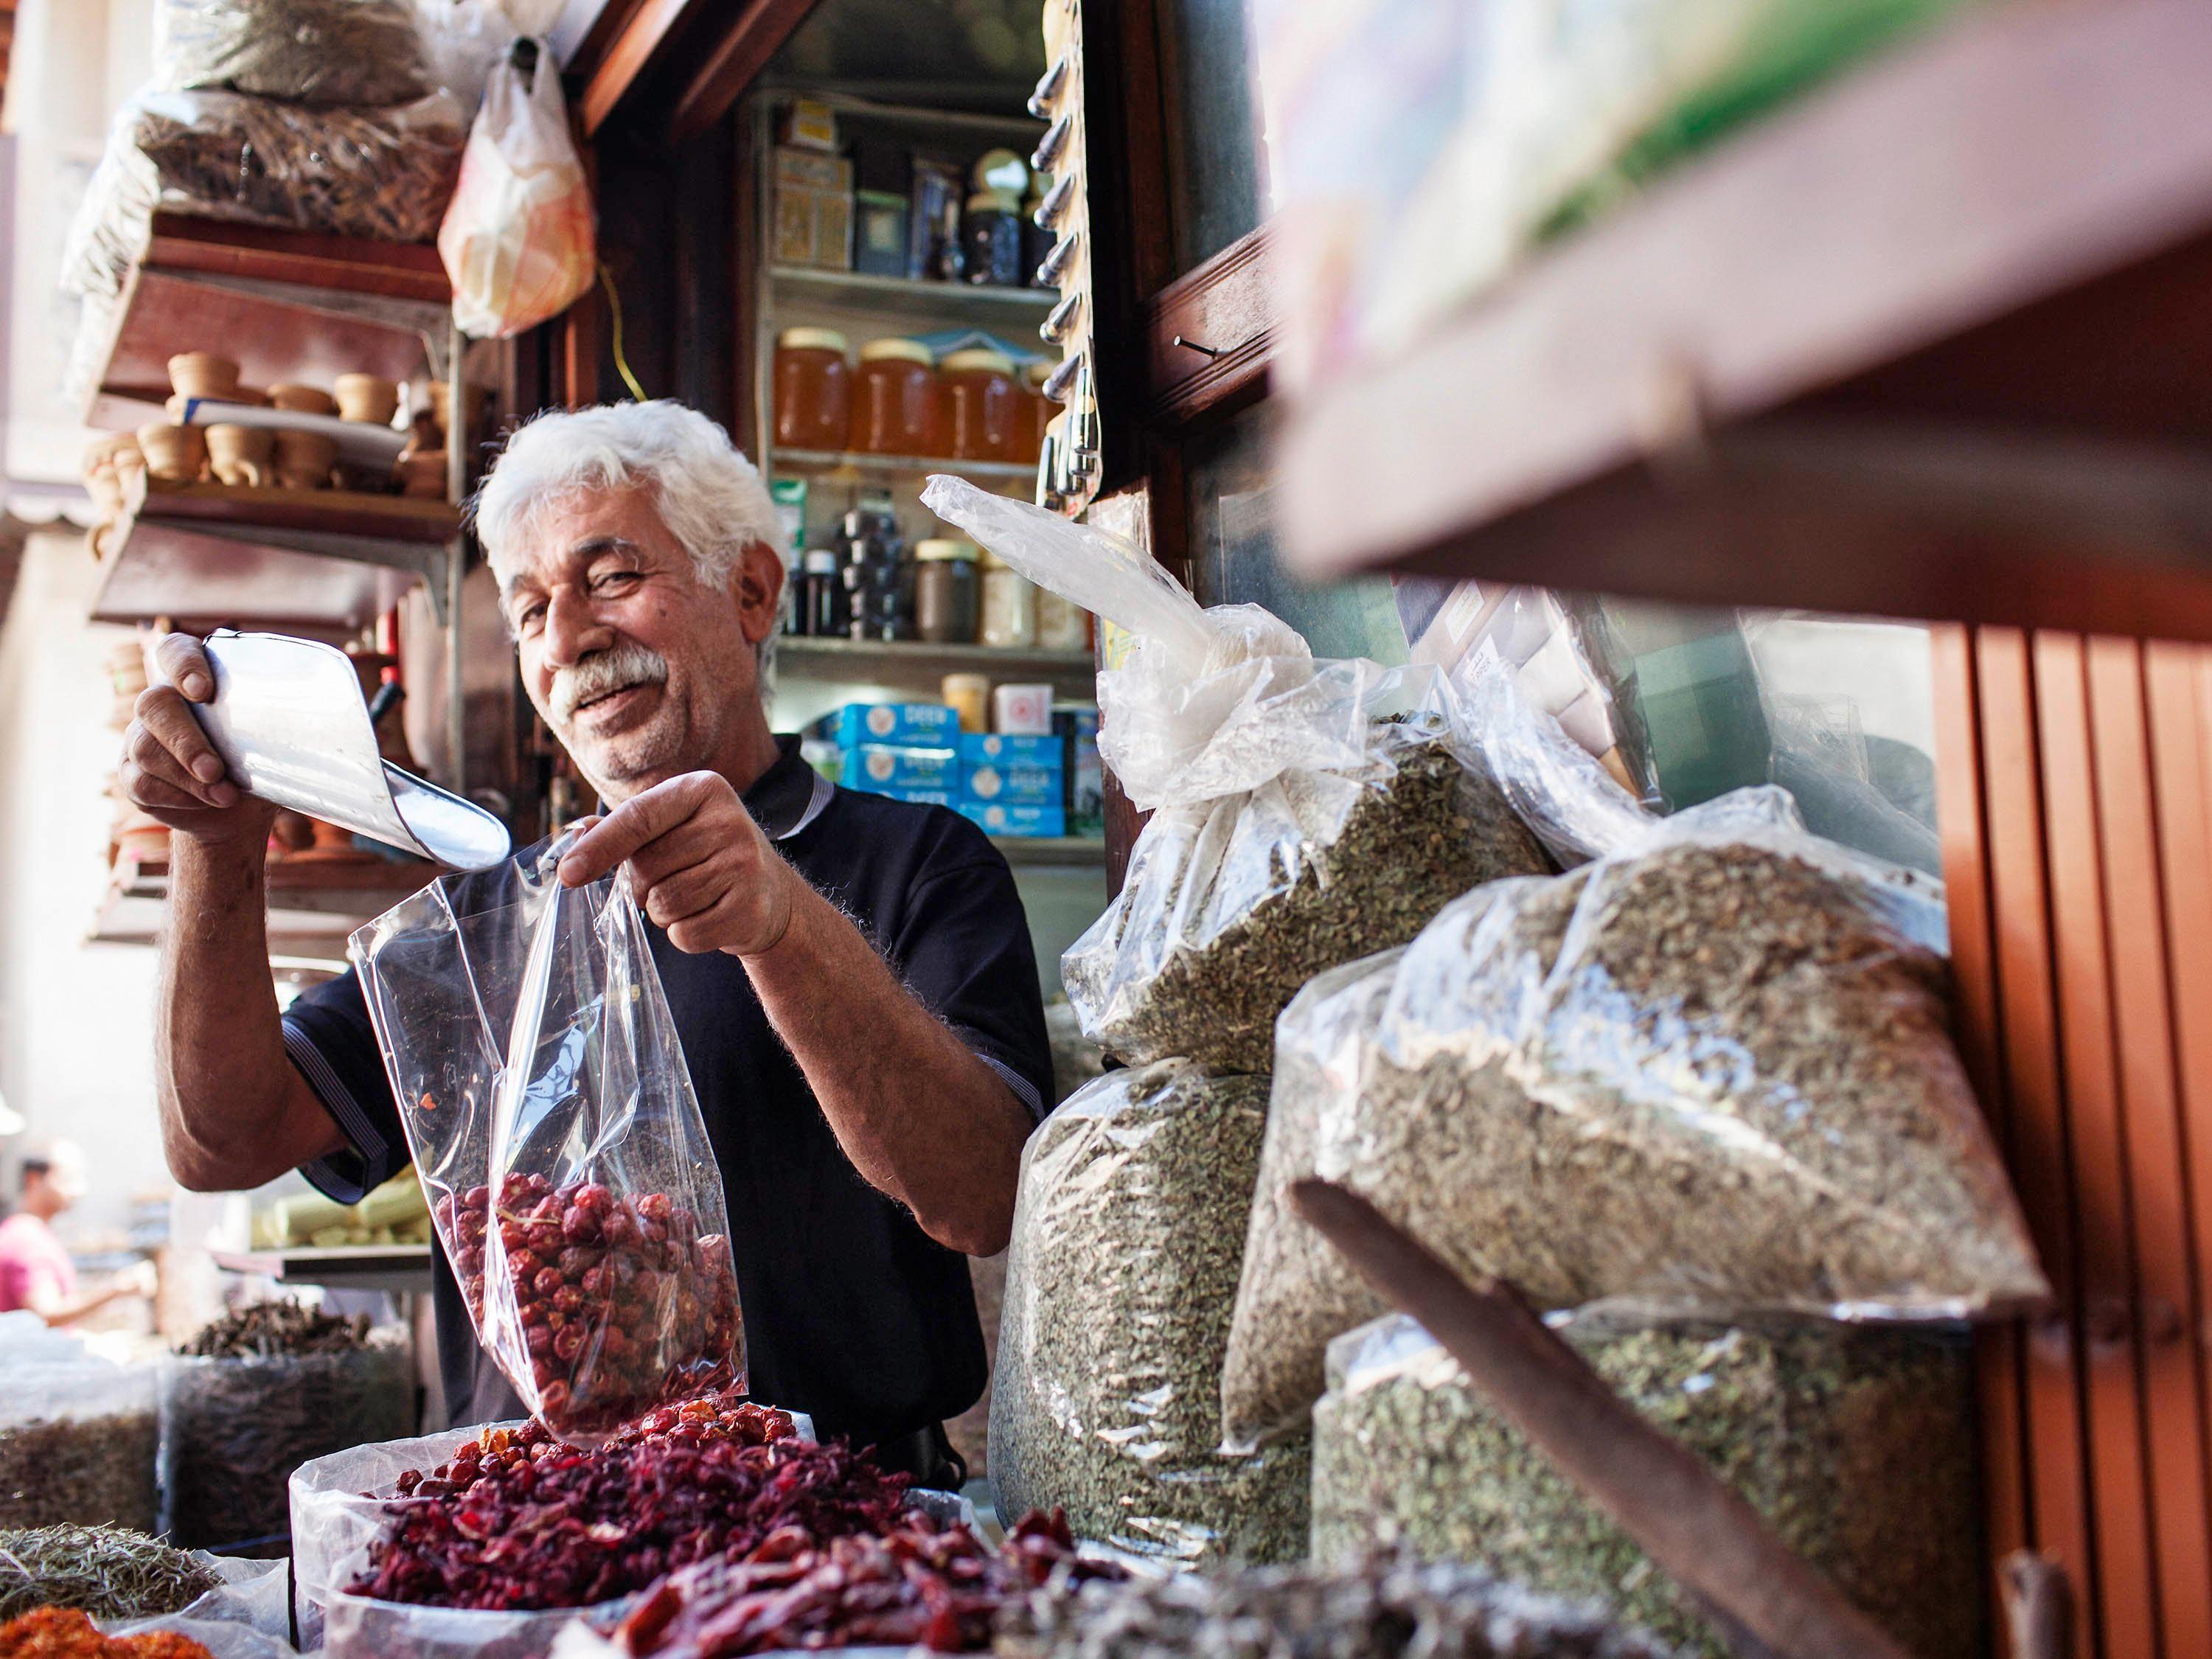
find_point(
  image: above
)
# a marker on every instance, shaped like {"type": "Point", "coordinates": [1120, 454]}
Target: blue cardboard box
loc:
{"type": "Point", "coordinates": [912, 725]}
{"type": "Point", "coordinates": [1000, 819]}
{"type": "Point", "coordinates": [1013, 784]}
{"type": "Point", "coordinates": [1004, 749]}
{"type": "Point", "coordinates": [880, 766]}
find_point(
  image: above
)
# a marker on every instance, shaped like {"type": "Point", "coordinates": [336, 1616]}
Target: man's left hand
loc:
{"type": "Point", "coordinates": [699, 866]}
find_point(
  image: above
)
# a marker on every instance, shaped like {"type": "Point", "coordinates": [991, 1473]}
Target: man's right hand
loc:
{"type": "Point", "coordinates": [170, 769]}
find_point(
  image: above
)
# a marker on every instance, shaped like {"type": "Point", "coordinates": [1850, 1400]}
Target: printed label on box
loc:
{"type": "Point", "coordinates": [1000, 819]}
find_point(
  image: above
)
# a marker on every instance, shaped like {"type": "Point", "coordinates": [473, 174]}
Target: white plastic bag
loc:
{"type": "Point", "coordinates": [1305, 812]}
{"type": "Point", "coordinates": [517, 241]}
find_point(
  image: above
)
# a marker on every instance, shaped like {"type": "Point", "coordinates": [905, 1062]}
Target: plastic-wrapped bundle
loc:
{"type": "Point", "coordinates": [1856, 1445]}
{"type": "Point", "coordinates": [1127, 1237]}
{"type": "Point", "coordinates": [78, 1443]}
{"type": "Point", "coordinates": [234, 1429]}
{"type": "Point", "coordinates": [1306, 813]}
{"type": "Point", "coordinates": [310, 51]}
{"type": "Point", "coordinates": [1708, 1073]}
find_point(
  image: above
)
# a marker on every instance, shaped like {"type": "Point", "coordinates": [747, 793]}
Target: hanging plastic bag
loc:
{"type": "Point", "coordinates": [1308, 811]}
{"type": "Point", "coordinates": [517, 241]}
{"type": "Point", "coordinates": [1710, 1073]}
{"type": "Point", "coordinates": [551, 1118]}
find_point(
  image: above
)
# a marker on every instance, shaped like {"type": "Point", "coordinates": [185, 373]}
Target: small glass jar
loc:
{"type": "Point", "coordinates": [895, 400]}
{"type": "Point", "coordinates": [1009, 605]}
{"type": "Point", "coordinates": [825, 614]}
{"type": "Point", "coordinates": [813, 389]}
{"type": "Point", "coordinates": [1062, 624]}
{"type": "Point", "coordinates": [1041, 408]}
{"type": "Point", "coordinates": [969, 696]}
{"type": "Point", "coordinates": [983, 412]}
{"type": "Point", "coordinates": [945, 597]}
{"type": "Point", "coordinates": [991, 240]}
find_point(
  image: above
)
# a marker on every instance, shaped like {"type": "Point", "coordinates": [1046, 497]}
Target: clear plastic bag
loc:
{"type": "Point", "coordinates": [79, 1440]}
{"type": "Point", "coordinates": [1708, 1074]}
{"type": "Point", "coordinates": [518, 241]}
{"type": "Point", "coordinates": [534, 1058]}
{"type": "Point", "coordinates": [308, 52]}
{"type": "Point", "coordinates": [222, 1638]}
{"type": "Point", "coordinates": [1106, 1403]}
{"type": "Point", "coordinates": [1308, 812]}
{"type": "Point", "coordinates": [233, 1429]}
{"type": "Point", "coordinates": [1850, 1440]}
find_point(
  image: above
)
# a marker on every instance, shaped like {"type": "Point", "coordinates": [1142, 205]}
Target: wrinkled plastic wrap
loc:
{"type": "Point", "coordinates": [308, 52]}
{"type": "Point", "coordinates": [1106, 1402]}
{"type": "Point", "coordinates": [1857, 1444]}
{"type": "Point", "coordinates": [382, 174]}
{"type": "Point", "coordinates": [1575, 805]}
{"type": "Point", "coordinates": [1711, 1074]}
{"type": "Point", "coordinates": [79, 1440]}
{"type": "Point", "coordinates": [222, 1638]}
{"type": "Point", "coordinates": [233, 1429]}
{"type": "Point", "coordinates": [552, 1120]}
{"type": "Point", "coordinates": [1308, 811]}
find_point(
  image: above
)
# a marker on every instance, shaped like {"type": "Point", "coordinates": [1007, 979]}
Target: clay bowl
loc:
{"type": "Point", "coordinates": [302, 399]}
{"type": "Point", "coordinates": [369, 398]}
{"type": "Point", "coordinates": [203, 374]}
{"type": "Point", "coordinates": [305, 460]}
{"type": "Point", "coordinates": [242, 454]}
{"type": "Point", "coordinates": [174, 454]}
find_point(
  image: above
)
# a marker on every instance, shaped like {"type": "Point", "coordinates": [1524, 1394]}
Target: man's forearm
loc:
{"type": "Point", "coordinates": [921, 1118]}
{"type": "Point", "coordinates": [234, 1113]}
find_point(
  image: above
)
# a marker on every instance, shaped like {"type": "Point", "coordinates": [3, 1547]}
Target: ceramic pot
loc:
{"type": "Point", "coordinates": [174, 454]}
{"type": "Point", "coordinates": [242, 454]}
{"type": "Point", "coordinates": [302, 399]}
{"type": "Point", "coordinates": [203, 374]}
{"type": "Point", "coordinates": [422, 475]}
{"type": "Point", "coordinates": [305, 460]}
{"type": "Point", "coordinates": [367, 397]}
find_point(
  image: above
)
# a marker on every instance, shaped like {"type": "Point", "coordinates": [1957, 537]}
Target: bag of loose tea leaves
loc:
{"type": "Point", "coordinates": [1710, 1073]}
{"type": "Point", "coordinates": [1106, 1402]}
{"type": "Point", "coordinates": [551, 1118]}
{"type": "Point", "coordinates": [1304, 811]}
{"type": "Point", "coordinates": [1857, 1443]}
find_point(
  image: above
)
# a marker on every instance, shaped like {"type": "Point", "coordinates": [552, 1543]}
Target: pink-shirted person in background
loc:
{"type": "Point", "coordinates": [35, 1270]}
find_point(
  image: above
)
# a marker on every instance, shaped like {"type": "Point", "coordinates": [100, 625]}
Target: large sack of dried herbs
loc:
{"type": "Point", "coordinates": [1304, 811]}
{"type": "Point", "coordinates": [79, 1438]}
{"type": "Point", "coordinates": [1856, 1445]}
{"type": "Point", "coordinates": [308, 52]}
{"type": "Point", "coordinates": [1106, 1404]}
{"type": "Point", "coordinates": [1710, 1073]}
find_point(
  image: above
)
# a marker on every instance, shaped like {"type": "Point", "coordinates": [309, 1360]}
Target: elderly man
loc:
{"type": "Point", "coordinates": [851, 977]}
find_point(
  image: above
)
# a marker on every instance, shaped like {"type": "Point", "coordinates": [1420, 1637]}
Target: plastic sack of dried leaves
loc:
{"type": "Point", "coordinates": [78, 1443]}
{"type": "Point", "coordinates": [1855, 1443]}
{"type": "Point", "coordinates": [310, 51]}
{"type": "Point", "coordinates": [235, 1428]}
{"type": "Point", "coordinates": [1106, 1402]}
{"type": "Point", "coordinates": [1708, 1074]}
{"type": "Point", "coordinates": [551, 1118]}
{"type": "Point", "coordinates": [1306, 813]}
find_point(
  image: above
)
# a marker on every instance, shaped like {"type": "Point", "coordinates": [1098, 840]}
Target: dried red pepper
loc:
{"type": "Point", "coordinates": [921, 1583]}
{"type": "Point", "coordinates": [69, 1633]}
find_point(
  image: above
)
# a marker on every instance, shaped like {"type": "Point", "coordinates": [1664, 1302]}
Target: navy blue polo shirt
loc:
{"type": "Point", "coordinates": [852, 1312]}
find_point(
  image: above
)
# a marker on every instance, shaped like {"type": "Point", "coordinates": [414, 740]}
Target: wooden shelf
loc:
{"type": "Point", "coordinates": [948, 305]}
{"type": "Point", "coordinates": [1932, 343]}
{"type": "Point", "coordinates": [313, 903]}
{"type": "Point", "coordinates": [1040, 851]}
{"type": "Point", "coordinates": [396, 1267]}
{"type": "Point", "coordinates": [322, 511]}
{"type": "Point", "coordinates": [287, 305]}
{"type": "Point", "coordinates": [855, 461]}
{"type": "Point", "coordinates": [806, 656]}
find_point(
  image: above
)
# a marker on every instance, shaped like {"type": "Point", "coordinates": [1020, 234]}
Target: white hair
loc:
{"type": "Point", "coordinates": [707, 494]}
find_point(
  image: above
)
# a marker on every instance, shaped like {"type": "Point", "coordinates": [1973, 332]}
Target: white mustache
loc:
{"type": "Point", "coordinates": [604, 673]}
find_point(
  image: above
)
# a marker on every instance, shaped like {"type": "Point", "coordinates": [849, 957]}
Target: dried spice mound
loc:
{"type": "Point", "coordinates": [110, 1572]}
{"type": "Point", "coordinates": [518, 1520]}
{"type": "Point", "coordinates": [58, 1633]}
{"type": "Point", "coordinates": [1857, 1446]}
{"type": "Point", "coordinates": [313, 52]}
{"type": "Point", "coordinates": [922, 1583]}
{"type": "Point", "coordinates": [1383, 1609]}
{"type": "Point", "coordinates": [96, 1469]}
{"type": "Point", "coordinates": [263, 1329]}
{"type": "Point", "coordinates": [1228, 909]}
{"type": "Point", "coordinates": [1127, 1234]}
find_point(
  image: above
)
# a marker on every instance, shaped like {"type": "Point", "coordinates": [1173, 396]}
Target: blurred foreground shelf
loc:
{"type": "Point", "coordinates": [313, 903]}
{"type": "Point", "coordinates": [1063, 851]}
{"type": "Point", "coordinates": [399, 1268]}
{"type": "Point", "coordinates": [814, 657]}
{"type": "Point", "coordinates": [1935, 341]}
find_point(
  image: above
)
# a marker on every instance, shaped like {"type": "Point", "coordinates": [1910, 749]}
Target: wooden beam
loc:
{"type": "Point", "coordinates": [630, 54]}
{"type": "Point", "coordinates": [756, 35]}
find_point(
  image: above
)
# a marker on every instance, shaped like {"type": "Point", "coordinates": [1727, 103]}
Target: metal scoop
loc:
{"type": "Point", "coordinates": [288, 720]}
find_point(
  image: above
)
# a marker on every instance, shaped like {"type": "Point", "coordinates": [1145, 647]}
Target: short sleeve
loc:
{"type": "Point", "coordinates": [963, 947]}
{"type": "Point", "coordinates": [329, 1038]}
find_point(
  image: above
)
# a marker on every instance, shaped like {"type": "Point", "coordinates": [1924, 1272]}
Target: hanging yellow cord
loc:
{"type": "Point", "coordinates": [614, 310]}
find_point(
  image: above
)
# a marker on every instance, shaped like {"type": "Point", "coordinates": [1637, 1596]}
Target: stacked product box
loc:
{"type": "Point", "coordinates": [1014, 785]}
{"type": "Point", "coordinates": [908, 751]}
{"type": "Point", "coordinates": [1076, 726]}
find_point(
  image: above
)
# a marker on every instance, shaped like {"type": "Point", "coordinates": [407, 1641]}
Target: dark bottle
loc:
{"type": "Point", "coordinates": [991, 240]}
{"type": "Point", "coordinates": [822, 610]}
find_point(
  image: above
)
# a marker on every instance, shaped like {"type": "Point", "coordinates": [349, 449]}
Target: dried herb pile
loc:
{"type": "Point", "coordinates": [1127, 1234]}
{"type": "Point", "coordinates": [518, 1520]}
{"type": "Point", "coordinates": [1228, 909]}
{"type": "Point", "coordinates": [92, 1466]}
{"type": "Point", "coordinates": [314, 52]}
{"type": "Point", "coordinates": [922, 1583]}
{"type": "Point", "coordinates": [1384, 1609]}
{"type": "Point", "coordinates": [1713, 1077]}
{"type": "Point", "coordinates": [257, 1393]}
{"type": "Point", "coordinates": [1856, 1445]}
{"type": "Point", "coordinates": [66, 1633]}
{"type": "Point", "coordinates": [111, 1572]}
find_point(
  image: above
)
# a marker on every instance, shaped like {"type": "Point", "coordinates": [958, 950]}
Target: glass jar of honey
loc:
{"type": "Point", "coordinates": [895, 400]}
{"type": "Point", "coordinates": [813, 401]}
{"type": "Point", "coordinates": [985, 415]}
{"type": "Point", "coordinates": [1041, 408]}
